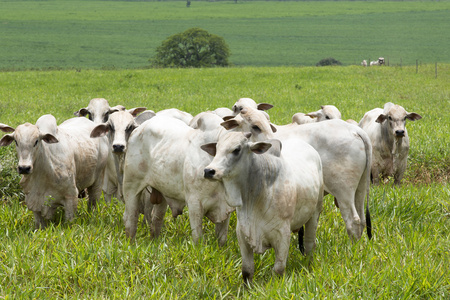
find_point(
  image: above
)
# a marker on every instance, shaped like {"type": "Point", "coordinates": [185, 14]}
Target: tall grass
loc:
{"type": "Point", "coordinates": [91, 257]}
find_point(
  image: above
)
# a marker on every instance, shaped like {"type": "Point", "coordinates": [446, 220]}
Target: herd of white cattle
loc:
{"type": "Point", "coordinates": [379, 62]}
{"type": "Point", "coordinates": [273, 176]}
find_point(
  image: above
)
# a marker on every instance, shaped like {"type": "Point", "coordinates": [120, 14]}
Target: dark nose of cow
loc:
{"type": "Point", "coordinates": [24, 169]}
{"type": "Point", "coordinates": [209, 173]}
{"type": "Point", "coordinates": [118, 148]}
{"type": "Point", "coordinates": [400, 133]}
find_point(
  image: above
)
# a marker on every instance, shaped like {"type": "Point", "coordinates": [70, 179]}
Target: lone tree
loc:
{"type": "Point", "coordinates": [195, 48]}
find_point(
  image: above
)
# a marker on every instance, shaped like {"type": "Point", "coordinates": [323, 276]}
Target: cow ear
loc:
{"type": "Point", "coordinates": [49, 138]}
{"type": "Point", "coordinates": [264, 106]}
{"type": "Point", "coordinates": [135, 111]}
{"type": "Point", "coordinates": [6, 128]}
{"type": "Point", "coordinates": [313, 115]}
{"type": "Point", "coordinates": [147, 115]}
{"type": "Point", "coordinates": [99, 130]}
{"type": "Point", "coordinates": [381, 118]}
{"type": "Point", "coordinates": [274, 129]}
{"type": "Point", "coordinates": [230, 124]}
{"type": "Point", "coordinates": [6, 140]}
{"type": "Point", "coordinates": [226, 118]}
{"type": "Point", "coordinates": [260, 147]}
{"type": "Point", "coordinates": [413, 116]}
{"type": "Point", "coordinates": [83, 112]}
{"type": "Point", "coordinates": [210, 148]}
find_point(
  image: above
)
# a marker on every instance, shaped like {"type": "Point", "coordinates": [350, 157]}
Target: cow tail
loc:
{"type": "Point", "coordinates": [301, 233]}
{"type": "Point", "coordinates": [368, 150]}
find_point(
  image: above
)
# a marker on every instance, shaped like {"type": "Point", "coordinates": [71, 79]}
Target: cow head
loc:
{"type": "Point", "coordinates": [98, 110]}
{"type": "Point", "coordinates": [28, 139]}
{"type": "Point", "coordinates": [326, 112]}
{"type": "Point", "coordinates": [119, 128]}
{"type": "Point", "coordinates": [394, 117]}
{"type": "Point", "coordinates": [248, 102]}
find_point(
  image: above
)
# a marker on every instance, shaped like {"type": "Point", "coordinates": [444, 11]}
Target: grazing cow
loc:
{"type": "Point", "coordinates": [275, 192]}
{"type": "Point", "coordinates": [57, 162]}
{"type": "Point", "coordinates": [326, 112]}
{"type": "Point", "coordinates": [390, 141]}
{"type": "Point", "coordinates": [164, 153]}
{"type": "Point", "coordinates": [364, 63]}
{"type": "Point", "coordinates": [346, 155]}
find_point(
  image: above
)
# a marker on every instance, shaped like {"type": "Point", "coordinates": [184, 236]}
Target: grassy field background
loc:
{"type": "Point", "coordinates": [408, 257]}
{"type": "Point", "coordinates": [125, 34]}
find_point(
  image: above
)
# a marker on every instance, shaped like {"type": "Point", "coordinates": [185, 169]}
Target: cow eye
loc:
{"type": "Point", "coordinates": [327, 117]}
{"type": "Point", "coordinates": [129, 128]}
{"type": "Point", "coordinates": [390, 118]}
{"type": "Point", "coordinates": [106, 117]}
{"type": "Point", "coordinates": [256, 129]}
{"type": "Point", "coordinates": [236, 151]}
{"type": "Point", "coordinates": [35, 143]}
{"type": "Point", "coordinates": [16, 143]}
{"type": "Point", "coordinates": [91, 117]}
{"type": "Point", "coordinates": [111, 127]}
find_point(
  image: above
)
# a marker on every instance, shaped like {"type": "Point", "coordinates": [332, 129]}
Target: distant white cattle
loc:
{"type": "Point", "coordinates": [57, 162]}
{"type": "Point", "coordinates": [346, 155]}
{"type": "Point", "coordinates": [378, 62]}
{"type": "Point", "coordinates": [275, 193]}
{"type": "Point", "coordinates": [164, 153]}
{"type": "Point", "coordinates": [364, 63]}
{"type": "Point", "coordinates": [326, 112]}
{"type": "Point", "coordinates": [390, 141]}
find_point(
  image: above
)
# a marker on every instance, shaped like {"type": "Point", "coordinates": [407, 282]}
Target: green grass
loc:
{"type": "Point", "coordinates": [408, 257]}
{"type": "Point", "coordinates": [124, 34]}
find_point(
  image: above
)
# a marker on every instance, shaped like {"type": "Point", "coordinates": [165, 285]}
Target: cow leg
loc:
{"type": "Point", "coordinates": [39, 221]}
{"type": "Point", "coordinates": [222, 231]}
{"type": "Point", "coordinates": [349, 214]}
{"type": "Point", "coordinates": [281, 247]}
{"type": "Point", "coordinates": [248, 264]}
{"type": "Point", "coordinates": [196, 219]}
{"type": "Point", "coordinates": [131, 214]}
{"type": "Point", "coordinates": [375, 175]}
{"type": "Point", "coordinates": [158, 213]}
{"type": "Point", "coordinates": [70, 208]}
{"type": "Point", "coordinates": [147, 206]}
{"type": "Point", "coordinates": [94, 192]}
{"type": "Point", "coordinates": [398, 175]}
{"type": "Point", "coordinates": [360, 196]}
{"type": "Point", "coordinates": [311, 228]}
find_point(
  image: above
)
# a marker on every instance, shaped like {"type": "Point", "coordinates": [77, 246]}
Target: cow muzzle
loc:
{"type": "Point", "coordinates": [117, 148]}
{"type": "Point", "coordinates": [399, 133]}
{"type": "Point", "coordinates": [209, 173]}
{"type": "Point", "coordinates": [23, 169]}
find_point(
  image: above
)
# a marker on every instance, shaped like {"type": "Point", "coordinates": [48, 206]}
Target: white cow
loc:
{"type": "Point", "coordinates": [390, 141]}
{"type": "Point", "coordinates": [99, 112]}
{"type": "Point", "coordinates": [364, 63]}
{"type": "Point", "coordinates": [275, 193]}
{"type": "Point", "coordinates": [177, 114]}
{"type": "Point", "coordinates": [248, 102]}
{"type": "Point", "coordinates": [57, 162]}
{"type": "Point", "coordinates": [164, 153]}
{"type": "Point", "coordinates": [326, 112]}
{"type": "Point", "coordinates": [346, 155]}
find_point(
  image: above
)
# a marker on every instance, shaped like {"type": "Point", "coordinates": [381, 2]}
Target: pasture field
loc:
{"type": "Point", "coordinates": [91, 257]}
{"type": "Point", "coordinates": [125, 34]}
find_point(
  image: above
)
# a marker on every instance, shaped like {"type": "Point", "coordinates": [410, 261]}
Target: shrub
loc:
{"type": "Point", "coordinates": [328, 62]}
{"type": "Point", "coordinates": [195, 48]}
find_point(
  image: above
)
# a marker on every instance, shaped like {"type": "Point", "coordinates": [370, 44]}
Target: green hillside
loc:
{"type": "Point", "coordinates": [125, 34]}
